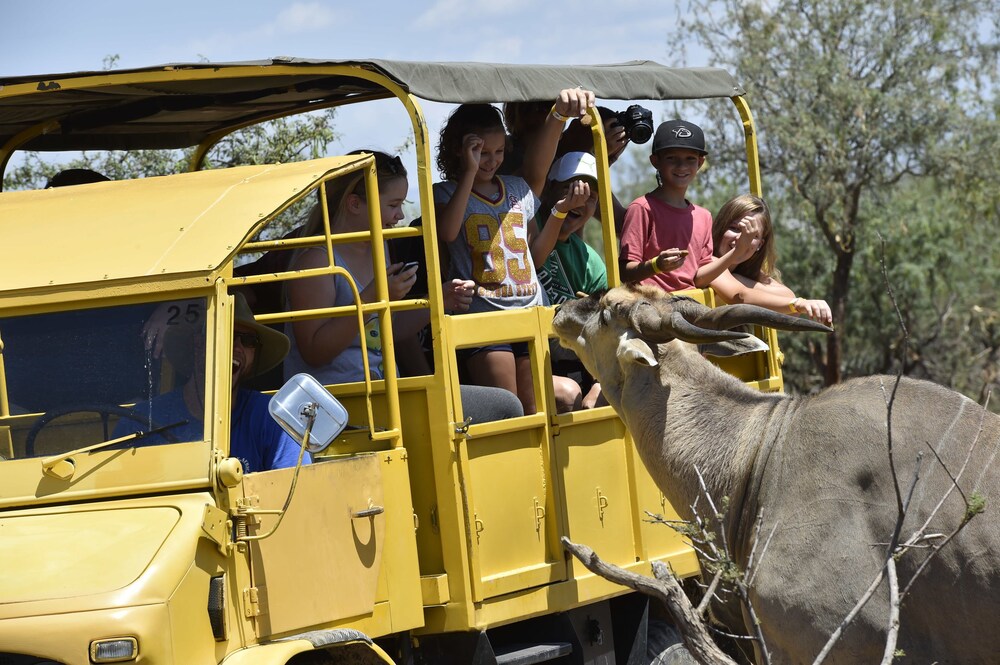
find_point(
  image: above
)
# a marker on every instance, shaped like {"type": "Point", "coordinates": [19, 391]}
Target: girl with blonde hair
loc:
{"type": "Point", "coordinates": [755, 281]}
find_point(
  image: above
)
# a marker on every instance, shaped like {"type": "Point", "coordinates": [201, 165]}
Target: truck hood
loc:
{"type": "Point", "coordinates": [79, 552]}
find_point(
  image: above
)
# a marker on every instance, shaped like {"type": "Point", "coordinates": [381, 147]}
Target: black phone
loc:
{"type": "Point", "coordinates": [407, 266]}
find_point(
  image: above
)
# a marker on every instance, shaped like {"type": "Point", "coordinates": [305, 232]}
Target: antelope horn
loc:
{"type": "Point", "coordinates": [647, 320]}
{"type": "Point", "coordinates": [731, 316]}
{"type": "Point", "coordinates": [693, 334]}
{"type": "Point", "coordinates": [691, 308]}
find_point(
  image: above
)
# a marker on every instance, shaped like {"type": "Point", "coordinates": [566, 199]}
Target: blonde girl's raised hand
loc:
{"type": "Point", "coordinates": [748, 241]}
{"type": "Point", "coordinates": [571, 103]}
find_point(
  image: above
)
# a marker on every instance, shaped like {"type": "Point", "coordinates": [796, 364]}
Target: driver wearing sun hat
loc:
{"type": "Point", "coordinates": [270, 346]}
{"type": "Point", "coordinates": [255, 438]}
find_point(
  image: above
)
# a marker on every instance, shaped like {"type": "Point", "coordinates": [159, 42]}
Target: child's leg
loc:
{"type": "Point", "coordinates": [594, 397]}
{"type": "Point", "coordinates": [525, 385]}
{"type": "Point", "coordinates": [568, 394]}
{"type": "Point", "coordinates": [494, 368]}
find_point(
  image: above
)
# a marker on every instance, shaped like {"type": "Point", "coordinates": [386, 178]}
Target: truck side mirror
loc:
{"type": "Point", "coordinates": [303, 407]}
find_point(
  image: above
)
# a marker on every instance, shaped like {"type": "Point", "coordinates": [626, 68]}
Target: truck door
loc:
{"type": "Point", "coordinates": [511, 511]}
{"type": "Point", "coordinates": [322, 563]}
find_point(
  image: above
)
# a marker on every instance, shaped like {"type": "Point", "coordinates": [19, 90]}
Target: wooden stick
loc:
{"type": "Point", "coordinates": [693, 630]}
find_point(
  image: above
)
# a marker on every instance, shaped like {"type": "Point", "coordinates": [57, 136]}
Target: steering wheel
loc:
{"type": "Point", "coordinates": [104, 410]}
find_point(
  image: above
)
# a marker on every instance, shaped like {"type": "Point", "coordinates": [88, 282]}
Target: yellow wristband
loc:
{"type": "Point", "coordinates": [791, 306]}
{"type": "Point", "coordinates": [558, 215]}
{"type": "Point", "coordinates": [558, 116]}
{"type": "Point", "coordinates": [656, 267]}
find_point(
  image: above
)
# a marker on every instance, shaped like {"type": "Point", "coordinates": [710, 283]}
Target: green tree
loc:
{"type": "Point", "coordinates": [283, 140]}
{"type": "Point", "coordinates": [940, 267]}
{"type": "Point", "coordinates": [853, 98]}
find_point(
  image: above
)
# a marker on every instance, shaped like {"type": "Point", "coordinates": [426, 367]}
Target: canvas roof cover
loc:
{"type": "Point", "coordinates": [179, 105]}
{"type": "Point", "coordinates": [185, 224]}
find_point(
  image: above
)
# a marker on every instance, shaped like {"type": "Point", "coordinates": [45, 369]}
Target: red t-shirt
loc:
{"type": "Point", "coordinates": [652, 226]}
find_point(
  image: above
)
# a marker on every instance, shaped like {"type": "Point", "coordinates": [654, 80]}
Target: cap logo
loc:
{"type": "Point", "coordinates": [682, 132]}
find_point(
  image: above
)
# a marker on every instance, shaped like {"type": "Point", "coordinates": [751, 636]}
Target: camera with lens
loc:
{"type": "Point", "coordinates": [638, 123]}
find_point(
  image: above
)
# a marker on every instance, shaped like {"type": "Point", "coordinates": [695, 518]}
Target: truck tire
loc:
{"type": "Point", "coordinates": [676, 654]}
{"type": "Point", "coordinates": [665, 645]}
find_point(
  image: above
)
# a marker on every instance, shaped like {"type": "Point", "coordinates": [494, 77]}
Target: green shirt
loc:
{"type": "Point", "coordinates": [573, 266]}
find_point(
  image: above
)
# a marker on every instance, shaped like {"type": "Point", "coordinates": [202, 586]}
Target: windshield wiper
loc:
{"type": "Point", "coordinates": [61, 467]}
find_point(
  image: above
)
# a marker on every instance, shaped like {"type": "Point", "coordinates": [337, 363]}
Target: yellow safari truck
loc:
{"type": "Point", "coordinates": [416, 536]}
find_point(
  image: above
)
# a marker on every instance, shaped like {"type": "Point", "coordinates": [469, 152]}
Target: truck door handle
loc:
{"type": "Point", "coordinates": [368, 512]}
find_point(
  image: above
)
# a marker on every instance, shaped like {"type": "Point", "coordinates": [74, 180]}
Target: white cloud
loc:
{"type": "Point", "coordinates": [304, 17]}
{"type": "Point", "coordinates": [508, 49]}
{"type": "Point", "coordinates": [588, 31]}
{"type": "Point", "coordinates": [473, 13]}
{"type": "Point", "coordinates": [436, 14]}
{"type": "Point", "coordinates": [300, 18]}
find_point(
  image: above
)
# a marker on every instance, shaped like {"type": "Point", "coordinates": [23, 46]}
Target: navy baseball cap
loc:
{"type": "Point", "coordinates": [679, 134]}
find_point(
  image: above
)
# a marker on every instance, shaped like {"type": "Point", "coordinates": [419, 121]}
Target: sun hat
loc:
{"type": "Point", "coordinates": [679, 134]}
{"type": "Point", "coordinates": [274, 345]}
{"type": "Point", "coordinates": [574, 165]}
{"type": "Point", "coordinates": [183, 337]}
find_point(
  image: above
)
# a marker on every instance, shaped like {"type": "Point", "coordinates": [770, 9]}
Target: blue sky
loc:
{"type": "Point", "coordinates": [54, 36]}
{"type": "Point", "coordinates": [50, 36]}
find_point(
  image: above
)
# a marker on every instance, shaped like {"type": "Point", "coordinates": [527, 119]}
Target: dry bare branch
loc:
{"type": "Point", "coordinates": [691, 626]}
{"type": "Point", "coordinates": [892, 634]}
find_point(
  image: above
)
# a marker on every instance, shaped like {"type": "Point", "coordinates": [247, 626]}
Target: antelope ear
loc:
{"type": "Point", "coordinates": [733, 347]}
{"type": "Point", "coordinates": [634, 350]}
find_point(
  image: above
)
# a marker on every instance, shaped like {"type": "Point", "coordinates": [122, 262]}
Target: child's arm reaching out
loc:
{"type": "Point", "coordinates": [571, 103]}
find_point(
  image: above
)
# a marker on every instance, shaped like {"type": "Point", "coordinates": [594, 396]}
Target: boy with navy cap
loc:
{"type": "Point", "coordinates": [667, 240]}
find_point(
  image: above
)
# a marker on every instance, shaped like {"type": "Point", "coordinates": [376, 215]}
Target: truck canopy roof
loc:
{"type": "Point", "coordinates": [184, 224]}
{"type": "Point", "coordinates": [179, 105]}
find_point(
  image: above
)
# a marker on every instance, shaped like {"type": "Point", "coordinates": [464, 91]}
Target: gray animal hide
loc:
{"type": "Point", "coordinates": [817, 469]}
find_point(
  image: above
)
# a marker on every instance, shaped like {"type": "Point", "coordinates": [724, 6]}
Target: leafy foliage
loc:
{"type": "Point", "coordinates": [283, 140]}
{"type": "Point", "coordinates": [868, 115]}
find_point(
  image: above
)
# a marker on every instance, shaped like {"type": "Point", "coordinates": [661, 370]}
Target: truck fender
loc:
{"type": "Point", "coordinates": [330, 641]}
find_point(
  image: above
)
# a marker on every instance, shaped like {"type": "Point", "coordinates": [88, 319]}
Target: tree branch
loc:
{"type": "Point", "coordinates": [666, 588]}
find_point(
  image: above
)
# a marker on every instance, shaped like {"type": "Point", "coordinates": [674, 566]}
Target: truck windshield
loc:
{"type": "Point", "coordinates": [80, 377]}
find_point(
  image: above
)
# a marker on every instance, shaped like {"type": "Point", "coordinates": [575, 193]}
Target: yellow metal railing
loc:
{"type": "Point", "coordinates": [381, 307]}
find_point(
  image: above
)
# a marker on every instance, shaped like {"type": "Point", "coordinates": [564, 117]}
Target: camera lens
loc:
{"type": "Point", "coordinates": [641, 133]}
{"type": "Point", "coordinates": [638, 123]}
